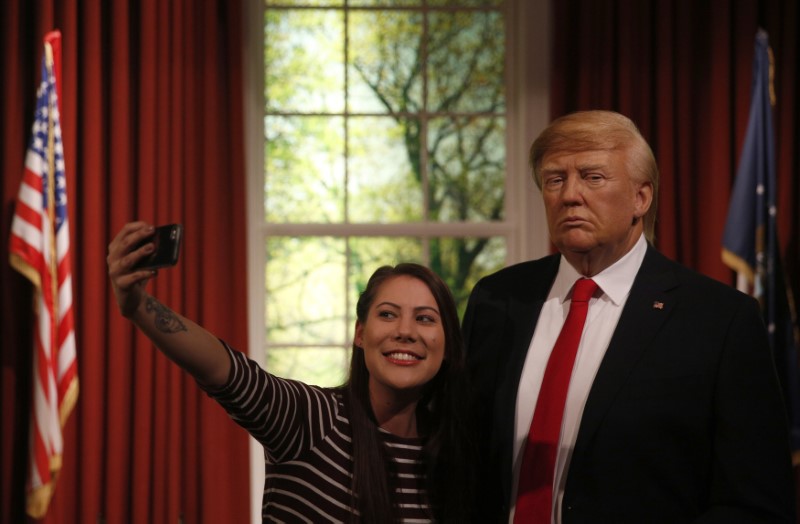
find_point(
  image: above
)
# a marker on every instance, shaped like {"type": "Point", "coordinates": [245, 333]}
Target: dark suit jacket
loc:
{"type": "Point", "coordinates": [684, 421]}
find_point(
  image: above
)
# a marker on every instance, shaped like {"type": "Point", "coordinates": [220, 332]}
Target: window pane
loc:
{"type": "Point", "coordinates": [304, 60]}
{"type": "Point", "coordinates": [462, 261]}
{"type": "Point", "coordinates": [323, 366]}
{"type": "Point", "coordinates": [353, 139]}
{"type": "Point", "coordinates": [306, 291]}
{"type": "Point", "coordinates": [469, 3]}
{"type": "Point", "coordinates": [387, 3]}
{"type": "Point", "coordinates": [467, 169]}
{"type": "Point", "coordinates": [304, 169]}
{"type": "Point", "coordinates": [383, 170]}
{"type": "Point", "coordinates": [384, 73]}
{"type": "Point", "coordinates": [465, 62]}
{"type": "Point", "coordinates": [305, 3]}
{"type": "Point", "coordinates": [369, 253]}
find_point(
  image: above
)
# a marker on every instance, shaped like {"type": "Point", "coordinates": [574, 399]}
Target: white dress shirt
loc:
{"type": "Point", "coordinates": [604, 311]}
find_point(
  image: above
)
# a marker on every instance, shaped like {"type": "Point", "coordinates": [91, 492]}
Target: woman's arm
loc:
{"type": "Point", "coordinates": [187, 344]}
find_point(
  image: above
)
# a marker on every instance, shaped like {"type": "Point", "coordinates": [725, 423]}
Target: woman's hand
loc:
{"type": "Point", "coordinates": [186, 343]}
{"type": "Point", "coordinates": [128, 284]}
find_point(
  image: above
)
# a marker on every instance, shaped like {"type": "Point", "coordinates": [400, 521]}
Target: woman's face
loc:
{"type": "Point", "coordinates": [402, 338]}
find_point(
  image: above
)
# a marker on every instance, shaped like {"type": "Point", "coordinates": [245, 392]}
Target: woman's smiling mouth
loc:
{"type": "Point", "coordinates": [403, 357]}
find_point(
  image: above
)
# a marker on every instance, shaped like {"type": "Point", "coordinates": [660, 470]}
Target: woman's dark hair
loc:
{"type": "Point", "coordinates": [441, 411]}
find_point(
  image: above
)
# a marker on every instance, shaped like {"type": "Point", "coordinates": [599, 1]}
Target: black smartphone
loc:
{"type": "Point", "coordinates": [167, 240]}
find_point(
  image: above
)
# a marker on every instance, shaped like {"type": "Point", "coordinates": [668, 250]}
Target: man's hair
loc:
{"type": "Point", "coordinates": [600, 130]}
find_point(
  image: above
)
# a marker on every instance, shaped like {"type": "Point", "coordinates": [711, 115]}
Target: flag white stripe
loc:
{"type": "Point", "coordinates": [27, 232]}
{"type": "Point", "coordinates": [30, 197]}
{"type": "Point", "coordinates": [64, 298]}
{"type": "Point", "coordinates": [62, 242]}
{"type": "Point", "coordinates": [35, 162]}
{"type": "Point", "coordinates": [66, 354]}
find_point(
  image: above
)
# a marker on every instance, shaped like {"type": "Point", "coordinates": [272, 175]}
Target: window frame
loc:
{"type": "Point", "coordinates": [527, 113]}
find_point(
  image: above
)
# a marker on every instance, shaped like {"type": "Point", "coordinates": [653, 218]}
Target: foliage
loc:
{"type": "Point", "coordinates": [382, 116]}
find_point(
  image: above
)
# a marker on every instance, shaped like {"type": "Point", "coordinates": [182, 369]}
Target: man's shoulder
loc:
{"type": "Point", "coordinates": [515, 274]}
{"type": "Point", "coordinates": [689, 279]}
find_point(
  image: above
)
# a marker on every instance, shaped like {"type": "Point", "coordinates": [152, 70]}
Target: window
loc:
{"type": "Point", "coordinates": [382, 131]}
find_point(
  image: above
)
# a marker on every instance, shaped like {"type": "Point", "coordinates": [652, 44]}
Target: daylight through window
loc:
{"type": "Point", "coordinates": [385, 141]}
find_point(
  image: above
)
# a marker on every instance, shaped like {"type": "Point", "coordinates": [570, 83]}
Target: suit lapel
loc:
{"type": "Point", "coordinates": [522, 315]}
{"type": "Point", "coordinates": [647, 308]}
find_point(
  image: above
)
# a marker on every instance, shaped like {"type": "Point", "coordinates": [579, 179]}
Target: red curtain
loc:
{"type": "Point", "coordinates": [152, 126]}
{"type": "Point", "coordinates": [151, 115]}
{"type": "Point", "coordinates": [682, 71]}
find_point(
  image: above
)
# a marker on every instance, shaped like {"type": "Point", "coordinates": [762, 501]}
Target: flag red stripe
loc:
{"type": "Point", "coordinates": [40, 466]}
{"type": "Point", "coordinates": [31, 216]}
{"type": "Point", "coordinates": [33, 179]}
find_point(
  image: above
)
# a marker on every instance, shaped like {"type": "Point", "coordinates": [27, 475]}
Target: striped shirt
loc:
{"type": "Point", "coordinates": [307, 439]}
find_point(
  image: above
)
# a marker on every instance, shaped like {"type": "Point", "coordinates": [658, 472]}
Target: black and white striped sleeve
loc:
{"type": "Point", "coordinates": [285, 416]}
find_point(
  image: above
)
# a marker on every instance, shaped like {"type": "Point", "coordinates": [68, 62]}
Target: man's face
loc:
{"type": "Point", "coordinates": [591, 202]}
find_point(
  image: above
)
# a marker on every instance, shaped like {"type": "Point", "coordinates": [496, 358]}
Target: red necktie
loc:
{"type": "Point", "coordinates": [535, 488]}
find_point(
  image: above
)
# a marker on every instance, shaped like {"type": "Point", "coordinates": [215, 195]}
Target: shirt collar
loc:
{"type": "Point", "coordinates": [615, 281]}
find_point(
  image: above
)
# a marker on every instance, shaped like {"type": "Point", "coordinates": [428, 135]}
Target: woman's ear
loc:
{"type": "Point", "coordinates": [358, 337]}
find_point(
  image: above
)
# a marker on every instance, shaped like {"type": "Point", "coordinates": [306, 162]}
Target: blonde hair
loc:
{"type": "Point", "coordinates": [601, 130]}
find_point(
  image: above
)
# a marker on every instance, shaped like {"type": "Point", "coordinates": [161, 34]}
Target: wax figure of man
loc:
{"type": "Point", "coordinates": [671, 411]}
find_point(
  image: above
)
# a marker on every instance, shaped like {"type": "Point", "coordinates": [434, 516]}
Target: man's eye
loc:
{"type": "Point", "coordinates": [594, 178]}
{"type": "Point", "coordinates": [554, 181]}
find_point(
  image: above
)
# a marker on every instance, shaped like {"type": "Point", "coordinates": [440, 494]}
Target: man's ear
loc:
{"type": "Point", "coordinates": [644, 199]}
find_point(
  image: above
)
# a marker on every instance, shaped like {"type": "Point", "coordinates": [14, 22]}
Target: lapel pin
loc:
{"type": "Point", "coordinates": [658, 305]}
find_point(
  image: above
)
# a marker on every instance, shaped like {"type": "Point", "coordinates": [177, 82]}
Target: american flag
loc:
{"type": "Point", "coordinates": [40, 250]}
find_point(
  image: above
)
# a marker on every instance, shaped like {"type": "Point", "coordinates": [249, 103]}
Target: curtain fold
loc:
{"type": "Point", "coordinates": [152, 124]}
{"type": "Point", "coordinates": [682, 71]}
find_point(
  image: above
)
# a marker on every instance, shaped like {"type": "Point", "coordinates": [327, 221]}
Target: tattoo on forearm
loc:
{"type": "Point", "coordinates": [166, 320]}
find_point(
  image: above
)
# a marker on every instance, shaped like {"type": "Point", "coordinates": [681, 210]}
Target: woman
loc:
{"type": "Point", "coordinates": [391, 444]}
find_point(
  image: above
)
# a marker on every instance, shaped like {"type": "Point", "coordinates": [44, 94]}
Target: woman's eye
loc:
{"type": "Point", "coordinates": [426, 318]}
{"type": "Point", "coordinates": [386, 314]}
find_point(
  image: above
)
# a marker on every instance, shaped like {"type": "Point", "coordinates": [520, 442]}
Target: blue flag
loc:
{"type": "Point", "coordinates": [750, 241]}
